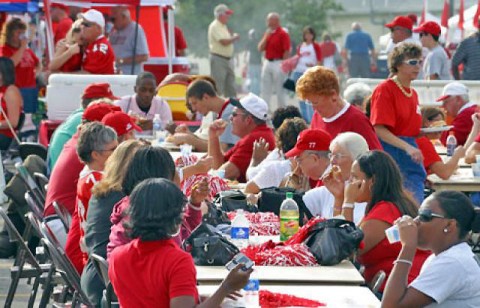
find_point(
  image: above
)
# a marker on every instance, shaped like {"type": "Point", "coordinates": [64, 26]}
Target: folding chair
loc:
{"type": "Point", "coordinates": [377, 281]}
{"type": "Point", "coordinates": [19, 270]}
{"type": "Point", "coordinates": [63, 214]}
{"type": "Point", "coordinates": [42, 182]}
{"type": "Point", "coordinates": [29, 148]}
{"type": "Point", "coordinates": [30, 183]}
{"type": "Point", "coordinates": [101, 266]}
{"type": "Point", "coordinates": [64, 267]}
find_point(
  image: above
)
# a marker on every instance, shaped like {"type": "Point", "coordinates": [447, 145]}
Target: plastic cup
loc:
{"type": "Point", "coordinates": [476, 170]}
{"type": "Point", "coordinates": [393, 235]}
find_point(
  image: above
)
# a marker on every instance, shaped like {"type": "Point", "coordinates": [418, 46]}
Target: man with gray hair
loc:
{"type": "Point", "coordinates": [98, 57]}
{"type": "Point", "coordinates": [357, 52]}
{"type": "Point", "coordinates": [220, 42]}
{"type": "Point", "coordinates": [456, 102]}
{"type": "Point", "coordinates": [123, 42]}
{"type": "Point", "coordinates": [356, 93]}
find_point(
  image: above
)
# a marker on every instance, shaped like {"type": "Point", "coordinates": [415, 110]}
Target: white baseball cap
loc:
{"type": "Point", "coordinates": [453, 89]}
{"type": "Point", "coordinates": [94, 16]}
{"type": "Point", "coordinates": [254, 105]}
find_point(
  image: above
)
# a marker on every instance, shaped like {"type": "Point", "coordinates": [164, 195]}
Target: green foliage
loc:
{"type": "Point", "coordinates": [194, 16]}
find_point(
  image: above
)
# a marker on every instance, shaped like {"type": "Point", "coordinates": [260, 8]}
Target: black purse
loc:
{"type": "Point", "coordinates": [271, 199]}
{"type": "Point", "coordinates": [289, 84]}
{"type": "Point", "coordinates": [333, 240]}
{"type": "Point", "coordinates": [215, 216]}
{"type": "Point", "coordinates": [232, 200]}
{"type": "Point", "coordinates": [208, 247]}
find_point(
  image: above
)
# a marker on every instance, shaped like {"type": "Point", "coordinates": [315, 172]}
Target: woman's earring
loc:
{"type": "Point", "coordinates": [445, 230]}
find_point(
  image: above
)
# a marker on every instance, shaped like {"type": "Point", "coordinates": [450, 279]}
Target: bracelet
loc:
{"type": "Point", "coordinates": [348, 205]}
{"type": "Point", "coordinates": [403, 261]}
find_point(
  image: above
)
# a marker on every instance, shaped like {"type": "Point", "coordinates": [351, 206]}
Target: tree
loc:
{"type": "Point", "coordinates": [194, 16]}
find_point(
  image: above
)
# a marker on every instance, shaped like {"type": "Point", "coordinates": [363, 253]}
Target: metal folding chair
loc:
{"type": "Point", "coordinates": [64, 267]}
{"type": "Point", "coordinates": [30, 184]}
{"type": "Point", "coordinates": [19, 270]}
{"type": "Point", "coordinates": [42, 182]}
{"type": "Point", "coordinates": [101, 265]}
{"type": "Point", "coordinates": [63, 214]}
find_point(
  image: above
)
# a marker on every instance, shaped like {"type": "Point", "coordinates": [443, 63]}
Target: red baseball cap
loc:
{"type": "Point", "coordinates": [96, 112]}
{"type": "Point", "coordinates": [400, 21]}
{"type": "Point", "coordinates": [98, 90]}
{"type": "Point", "coordinates": [429, 27]}
{"type": "Point", "coordinates": [121, 122]}
{"type": "Point", "coordinates": [312, 140]}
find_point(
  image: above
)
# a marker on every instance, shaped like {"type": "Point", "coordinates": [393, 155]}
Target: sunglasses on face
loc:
{"type": "Point", "coordinates": [427, 215]}
{"type": "Point", "coordinates": [234, 114]}
{"type": "Point", "coordinates": [423, 34]}
{"type": "Point", "coordinates": [87, 24]}
{"type": "Point", "coordinates": [413, 62]}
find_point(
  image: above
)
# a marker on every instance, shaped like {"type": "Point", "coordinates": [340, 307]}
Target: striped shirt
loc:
{"type": "Point", "coordinates": [468, 53]}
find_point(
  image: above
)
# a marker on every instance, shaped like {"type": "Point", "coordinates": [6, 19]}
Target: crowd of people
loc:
{"type": "Point", "coordinates": [358, 153]}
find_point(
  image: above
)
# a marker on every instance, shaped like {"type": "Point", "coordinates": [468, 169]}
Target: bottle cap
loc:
{"type": "Point", "coordinates": [289, 195]}
{"type": "Point", "coordinates": [450, 133]}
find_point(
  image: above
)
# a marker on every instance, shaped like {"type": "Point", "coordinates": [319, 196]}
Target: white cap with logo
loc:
{"type": "Point", "coordinates": [453, 89]}
{"type": "Point", "coordinates": [254, 105]}
{"type": "Point", "coordinates": [94, 16]}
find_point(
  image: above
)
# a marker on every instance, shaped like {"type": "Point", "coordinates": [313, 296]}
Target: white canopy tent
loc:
{"type": "Point", "coordinates": [455, 34]}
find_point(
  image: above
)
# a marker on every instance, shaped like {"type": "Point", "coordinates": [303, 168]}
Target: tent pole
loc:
{"type": "Point", "coordinates": [137, 17]}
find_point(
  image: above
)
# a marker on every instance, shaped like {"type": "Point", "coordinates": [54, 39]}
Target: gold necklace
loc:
{"type": "Point", "coordinates": [399, 85]}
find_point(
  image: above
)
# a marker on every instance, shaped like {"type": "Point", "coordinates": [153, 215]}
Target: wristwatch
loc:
{"type": "Point", "coordinates": [120, 61]}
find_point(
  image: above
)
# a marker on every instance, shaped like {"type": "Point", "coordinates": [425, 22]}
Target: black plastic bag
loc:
{"type": "Point", "coordinates": [232, 200]}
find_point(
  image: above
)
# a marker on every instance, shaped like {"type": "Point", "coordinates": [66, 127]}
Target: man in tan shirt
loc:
{"type": "Point", "coordinates": [220, 42]}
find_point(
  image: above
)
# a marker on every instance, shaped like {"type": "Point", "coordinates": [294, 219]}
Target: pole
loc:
{"type": "Point", "coordinates": [137, 17]}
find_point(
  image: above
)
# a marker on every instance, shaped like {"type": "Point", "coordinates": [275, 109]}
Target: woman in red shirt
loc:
{"type": "Point", "coordinates": [395, 115]}
{"type": "Point", "coordinates": [11, 102]}
{"type": "Point", "coordinates": [68, 52]}
{"type": "Point", "coordinates": [25, 61]}
{"type": "Point", "coordinates": [151, 270]}
{"type": "Point", "coordinates": [375, 178]}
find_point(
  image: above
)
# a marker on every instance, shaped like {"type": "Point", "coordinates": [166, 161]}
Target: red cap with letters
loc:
{"type": "Point", "coordinates": [311, 140]}
{"type": "Point", "coordinates": [121, 122]}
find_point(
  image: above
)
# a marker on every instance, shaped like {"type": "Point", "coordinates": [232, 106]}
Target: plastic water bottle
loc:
{"type": "Point", "coordinates": [157, 128]}
{"type": "Point", "coordinates": [251, 291]}
{"type": "Point", "coordinates": [451, 143]}
{"type": "Point", "coordinates": [240, 230]}
{"type": "Point", "coordinates": [289, 217]}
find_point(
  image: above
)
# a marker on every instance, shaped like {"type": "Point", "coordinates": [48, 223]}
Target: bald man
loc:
{"type": "Point", "coordinates": [122, 39]}
{"type": "Point", "coordinates": [359, 52]}
{"type": "Point", "coordinates": [276, 45]}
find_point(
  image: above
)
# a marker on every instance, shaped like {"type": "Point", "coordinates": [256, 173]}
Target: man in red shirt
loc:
{"type": "Point", "coordinates": [180, 42]}
{"type": "Point", "coordinates": [311, 153]}
{"type": "Point", "coordinates": [60, 21]}
{"type": "Point", "coordinates": [62, 187]}
{"type": "Point", "coordinates": [320, 87]}
{"type": "Point", "coordinates": [248, 122]}
{"type": "Point", "coordinates": [98, 57]}
{"type": "Point", "coordinates": [456, 102]}
{"type": "Point", "coordinates": [276, 45]}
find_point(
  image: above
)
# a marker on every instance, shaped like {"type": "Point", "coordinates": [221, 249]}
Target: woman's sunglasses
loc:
{"type": "Point", "coordinates": [427, 216]}
{"type": "Point", "coordinates": [413, 62]}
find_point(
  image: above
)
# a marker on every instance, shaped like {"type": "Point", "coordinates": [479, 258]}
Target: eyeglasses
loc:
{"type": "Point", "coordinates": [87, 24]}
{"type": "Point", "coordinates": [336, 156]}
{"type": "Point", "coordinates": [413, 62]}
{"type": "Point", "coordinates": [427, 216]}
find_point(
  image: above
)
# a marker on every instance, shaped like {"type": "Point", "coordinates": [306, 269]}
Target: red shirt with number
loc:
{"type": "Point", "coordinates": [381, 256]}
{"type": "Point", "coordinates": [25, 69]}
{"type": "Point", "coordinates": [88, 178]}
{"type": "Point", "coordinates": [349, 119]}
{"type": "Point", "coordinates": [398, 113]}
{"type": "Point", "coordinates": [99, 57]}
{"type": "Point", "coordinates": [429, 153]}
{"type": "Point", "coordinates": [277, 43]}
{"type": "Point", "coordinates": [241, 153]}
{"type": "Point", "coordinates": [152, 273]}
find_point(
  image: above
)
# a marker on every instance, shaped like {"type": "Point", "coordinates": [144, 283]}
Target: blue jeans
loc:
{"type": "Point", "coordinates": [414, 174]}
{"type": "Point", "coordinates": [305, 109]}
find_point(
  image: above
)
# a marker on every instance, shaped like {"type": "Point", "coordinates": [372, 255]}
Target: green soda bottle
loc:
{"type": "Point", "coordinates": [289, 216]}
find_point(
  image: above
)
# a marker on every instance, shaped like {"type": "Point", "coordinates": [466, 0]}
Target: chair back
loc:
{"type": "Point", "coordinates": [16, 237]}
{"type": "Point", "coordinates": [36, 208]}
{"type": "Point", "coordinates": [101, 266]}
{"type": "Point", "coordinates": [63, 214]}
{"type": "Point", "coordinates": [42, 181]}
{"type": "Point", "coordinates": [174, 94]}
{"type": "Point", "coordinates": [63, 264]}
{"type": "Point", "coordinates": [35, 223]}
{"type": "Point", "coordinates": [32, 148]}
{"type": "Point", "coordinates": [30, 183]}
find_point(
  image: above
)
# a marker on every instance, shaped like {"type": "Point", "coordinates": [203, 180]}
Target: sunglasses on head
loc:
{"type": "Point", "coordinates": [413, 62]}
{"type": "Point", "coordinates": [428, 215]}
